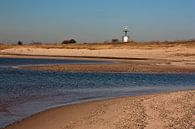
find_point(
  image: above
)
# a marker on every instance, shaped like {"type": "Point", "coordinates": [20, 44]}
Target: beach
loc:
{"type": "Point", "coordinates": [139, 57]}
{"type": "Point", "coordinates": [157, 111]}
{"type": "Point", "coordinates": [81, 64]}
{"type": "Point", "coordinates": [168, 110]}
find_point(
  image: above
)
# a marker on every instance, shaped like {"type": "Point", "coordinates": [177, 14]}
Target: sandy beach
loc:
{"type": "Point", "coordinates": [148, 57]}
{"type": "Point", "coordinates": [170, 51]}
{"type": "Point", "coordinates": [158, 111]}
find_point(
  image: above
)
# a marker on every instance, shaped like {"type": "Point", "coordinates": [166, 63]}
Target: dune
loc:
{"type": "Point", "coordinates": [175, 51]}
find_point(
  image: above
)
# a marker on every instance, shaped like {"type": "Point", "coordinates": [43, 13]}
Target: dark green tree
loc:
{"type": "Point", "coordinates": [20, 43]}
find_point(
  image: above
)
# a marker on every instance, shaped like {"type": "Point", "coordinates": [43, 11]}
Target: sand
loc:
{"type": "Point", "coordinates": [130, 66]}
{"type": "Point", "coordinates": [128, 58]}
{"type": "Point", "coordinates": [179, 52]}
{"type": "Point", "coordinates": [158, 111]}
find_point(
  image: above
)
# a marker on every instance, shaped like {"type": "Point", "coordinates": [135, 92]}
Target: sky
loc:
{"type": "Point", "coordinates": [96, 20]}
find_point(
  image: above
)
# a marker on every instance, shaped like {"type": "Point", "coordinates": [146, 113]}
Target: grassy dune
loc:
{"type": "Point", "coordinates": [6, 46]}
{"type": "Point", "coordinates": [97, 46]}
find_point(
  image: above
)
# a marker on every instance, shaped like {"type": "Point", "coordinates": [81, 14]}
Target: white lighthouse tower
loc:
{"type": "Point", "coordinates": [125, 38]}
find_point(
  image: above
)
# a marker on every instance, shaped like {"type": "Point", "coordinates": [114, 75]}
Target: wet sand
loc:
{"type": "Point", "coordinates": [112, 64]}
{"type": "Point", "coordinates": [120, 66]}
{"type": "Point", "coordinates": [158, 111]}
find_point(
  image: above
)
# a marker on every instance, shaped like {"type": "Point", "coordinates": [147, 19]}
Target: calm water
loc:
{"type": "Point", "coordinates": [24, 92]}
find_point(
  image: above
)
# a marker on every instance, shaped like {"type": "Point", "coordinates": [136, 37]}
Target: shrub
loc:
{"type": "Point", "coordinates": [20, 43]}
{"type": "Point", "coordinates": [69, 41]}
{"type": "Point", "coordinates": [115, 40]}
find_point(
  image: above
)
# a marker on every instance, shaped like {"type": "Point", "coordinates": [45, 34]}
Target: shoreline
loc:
{"type": "Point", "coordinates": [163, 58]}
{"type": "Point", "coordinates": [143, 111]}
{"type": "Point", "coordinates": [124, 65]}
{"type": "Point", "coordinates": [109, 68]}
{"type": "Point", "coordinates": [180, 51]}
{"type": "Point", "coordinates": [27, 56]}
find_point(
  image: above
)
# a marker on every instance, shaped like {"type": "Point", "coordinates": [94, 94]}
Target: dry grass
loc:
{"type": "Point", "coordinates": [5, 46]}
{"type": "Point", "coordinates": [184, 54]}
{"type": "Point", "coordinates": [96, 46]}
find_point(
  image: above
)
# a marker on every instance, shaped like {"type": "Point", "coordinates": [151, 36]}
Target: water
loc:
{"type": "Point", "coordinates": [6, 62]}
{"type": "Point", "coordinates": [24, 92]}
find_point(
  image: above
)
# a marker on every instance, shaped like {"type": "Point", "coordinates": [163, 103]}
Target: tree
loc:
{"type": "Point", "coordinates": [20, 43]}
{"type": "Point", "coordinates": [115, 40]}
{"type": "Point", "coordinates": [69, 41]}
{"type": "Point", "coordinates": [73, 41]}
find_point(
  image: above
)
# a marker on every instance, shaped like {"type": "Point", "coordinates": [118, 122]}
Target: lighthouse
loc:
{"type": "Point", "coordinates": [125, 38]}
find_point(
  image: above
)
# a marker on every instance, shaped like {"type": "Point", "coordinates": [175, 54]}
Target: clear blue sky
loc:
{"type": "Point", "coordinates": [96, 20]}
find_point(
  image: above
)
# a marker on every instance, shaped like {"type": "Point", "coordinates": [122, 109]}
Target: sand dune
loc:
{"type": "Point", "coordinates": [135, 58]}
{"type": "Point", "coordinates": [174, 52]}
